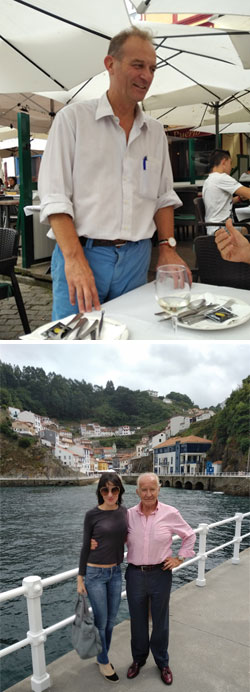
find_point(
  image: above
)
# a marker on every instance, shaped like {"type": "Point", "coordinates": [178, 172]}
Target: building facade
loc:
{"type": "Point", "coordinates": [181, 455]}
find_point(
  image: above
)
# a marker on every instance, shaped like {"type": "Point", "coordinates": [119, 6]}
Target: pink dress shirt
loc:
{"type": "Point", "coordinates": [149, 538]}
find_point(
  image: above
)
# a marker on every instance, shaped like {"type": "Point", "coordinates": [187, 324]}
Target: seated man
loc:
{"type": "Point", "coordinates": [232, 245]}
{"type": "Point", "coordinates": [219, 188]}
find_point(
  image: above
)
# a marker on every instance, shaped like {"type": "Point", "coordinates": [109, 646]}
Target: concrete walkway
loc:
{"type": "Point", "coordinates": [209, 642]}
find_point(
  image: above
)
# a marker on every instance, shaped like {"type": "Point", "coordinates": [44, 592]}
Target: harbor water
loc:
{"type": "Point", "coordinates": [42, 534]}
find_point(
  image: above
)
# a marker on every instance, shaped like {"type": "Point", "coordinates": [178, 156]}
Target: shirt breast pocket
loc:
{"type": "Point", "coordinates": [149, 177]}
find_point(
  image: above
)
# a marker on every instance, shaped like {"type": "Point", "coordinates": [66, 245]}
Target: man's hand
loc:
{"type": "Point", "coordinates": [168, 255]}
{"type": "Point", "coordinates": [79, 276]}
{"type": "Point", "coordinates": [171, 562]}
{"type": "Point", "coordinates": [81, 283]}
{"type": "Point", "coordinates": [81, 589]}
{"type": "Point", "coordinates": [232, 245]}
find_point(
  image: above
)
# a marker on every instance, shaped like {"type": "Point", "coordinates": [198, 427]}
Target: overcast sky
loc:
{"type": "Point", "coordinates": [206, 372]}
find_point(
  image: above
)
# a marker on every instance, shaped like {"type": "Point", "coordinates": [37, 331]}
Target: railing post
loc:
{"type": "Point", "coordinates": [237, 535]}
{"type": "Point", "coordinates": [203, 530]}
{"type": "Point", "coordinates": [40, 679]}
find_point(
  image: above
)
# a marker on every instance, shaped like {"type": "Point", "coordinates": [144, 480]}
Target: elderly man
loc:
{"type": "Point", "coordinates": [106, 184]}
{"type": "Point", "coordinates": [151, 525]}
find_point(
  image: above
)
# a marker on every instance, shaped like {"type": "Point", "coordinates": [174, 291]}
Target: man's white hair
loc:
{"type": "Point", "coordinates": [148, 473]}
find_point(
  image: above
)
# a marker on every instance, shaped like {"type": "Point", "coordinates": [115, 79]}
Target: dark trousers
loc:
{"type": "Point", "coordinates": [144, 587]}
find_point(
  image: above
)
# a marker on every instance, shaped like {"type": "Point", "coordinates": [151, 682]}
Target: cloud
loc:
{"type": "Point", "coordinates": [207, 372]}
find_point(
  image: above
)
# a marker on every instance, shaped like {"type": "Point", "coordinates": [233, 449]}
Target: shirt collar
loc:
{"type": "Point", "coordinates": [104, 109]}
{"type": "Point", "coordinates": [139, 508]}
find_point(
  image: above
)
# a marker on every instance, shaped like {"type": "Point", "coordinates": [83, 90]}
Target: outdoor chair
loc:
{"type": "Point", "coordinates": [212, 269]}
{"type": "Point", "coordinates": [8, 259]}
{"type": "Point", "coordinates": [184, 216]}
{"type": "Point", "coordinates": [199, 208]}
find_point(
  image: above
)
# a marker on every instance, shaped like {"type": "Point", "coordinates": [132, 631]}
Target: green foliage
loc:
{"type": "Point", "coordinates": [182, 399]}
{"type": "Point", "coordinates": [68, 399]}
{"type": "Point", "coordinates": [24, 442]}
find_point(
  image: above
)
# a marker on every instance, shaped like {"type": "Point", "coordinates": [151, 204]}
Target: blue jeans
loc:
{"type": "Point", "coordinates": [117, 270]}
{"type": "Point", "coordinates": [104, 585]}
{"type": "Point", "coordinates": [144, 587]}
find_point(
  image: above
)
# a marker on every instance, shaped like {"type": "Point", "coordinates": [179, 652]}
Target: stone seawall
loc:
{"type": "Point", "coordinates": [230, 485]}
{"type": "Point", "coordinates": [30, 482]}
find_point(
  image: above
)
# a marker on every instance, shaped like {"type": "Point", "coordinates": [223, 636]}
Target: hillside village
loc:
{"type": "Point", "coordinates": [81, 452]}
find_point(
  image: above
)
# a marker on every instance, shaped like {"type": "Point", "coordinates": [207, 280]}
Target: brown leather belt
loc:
{"type": "Point", "coordinates": [147, 568]}
{"type": "Point", "coordinates": [107, 243]}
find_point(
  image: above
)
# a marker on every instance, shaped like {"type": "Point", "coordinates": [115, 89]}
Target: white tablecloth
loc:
{"type": "Point", "coordinates": [136, 309]}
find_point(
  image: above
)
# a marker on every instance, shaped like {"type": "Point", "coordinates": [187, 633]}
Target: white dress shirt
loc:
{"type": "Point", "coordinates": [110, 187]}
{"type": "Point", "coordinates": [217, 193]}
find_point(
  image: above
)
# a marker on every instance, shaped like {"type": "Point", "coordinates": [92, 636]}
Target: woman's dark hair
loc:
{"type": "Point", "coordinates": [109, 477]}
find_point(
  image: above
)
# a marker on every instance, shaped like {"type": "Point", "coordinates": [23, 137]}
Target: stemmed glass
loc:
{"type": "Point", "coordinates": [172, 289]}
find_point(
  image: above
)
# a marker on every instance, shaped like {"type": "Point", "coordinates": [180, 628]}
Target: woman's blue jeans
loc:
{"type": "Point", "coordinates": [104, 585]}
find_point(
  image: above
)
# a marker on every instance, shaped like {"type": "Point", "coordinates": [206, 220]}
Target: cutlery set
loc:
{"type": "Point", "coordinates": [199, 312]}
{"type": "Point", "coordinates": [78, 328]}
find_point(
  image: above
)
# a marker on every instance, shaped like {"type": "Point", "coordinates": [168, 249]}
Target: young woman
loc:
{"type": "Point", "coordinates": [99, 569]}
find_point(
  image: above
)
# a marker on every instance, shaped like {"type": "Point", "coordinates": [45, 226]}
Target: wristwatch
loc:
{"type": "Point", "coordinates": [168, 241]}
{"type": "Point", "coordinates": [181, 558]}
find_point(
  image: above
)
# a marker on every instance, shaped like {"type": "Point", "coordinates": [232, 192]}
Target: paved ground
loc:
{"type": "Point", "coordinates": [209, 642]}
{"type": "Point", "coordinates": [37, 296]}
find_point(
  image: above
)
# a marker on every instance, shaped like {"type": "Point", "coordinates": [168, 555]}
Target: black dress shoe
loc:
{"type": "Point", "coordinates": [167, 675]}
{"type": "Point", "coordinates": [134, 669]}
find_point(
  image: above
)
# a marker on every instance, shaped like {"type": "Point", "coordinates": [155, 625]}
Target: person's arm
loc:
{"type": "Point", "coordinates": [243, 192]}
{"type": "Point", "coordinates": [87, 532]}
{"type": "Point", "coordinates": [232, 245]}
{"type": "Point", "coordinates": [164, 220]}
{"type": "Point", "coordinates": [79, 276]}
{"type": "Point", "coordinates": [182, 528]}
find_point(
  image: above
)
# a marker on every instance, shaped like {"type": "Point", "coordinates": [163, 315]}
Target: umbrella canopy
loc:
{"type": "Point", "coordinates": [46, 44]}
{"type": "Point", "coordinates": [233, 110]}
{"type": "Point", "coordinates": [193, 67]}
{"type": "Point", "coordinates": [226, 128]}
{"type": "Point", "coordinates": [195, 6]}
{"type": "Point", "coordinates": [189, 70]}
{"type": "Point", "coordinates": [10, 146]}
{"type": "Point", "coordinates": [41, 110]}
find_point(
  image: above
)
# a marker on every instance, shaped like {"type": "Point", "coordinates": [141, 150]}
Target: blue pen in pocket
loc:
{"type": "Point", "coordinates": [144, 163]}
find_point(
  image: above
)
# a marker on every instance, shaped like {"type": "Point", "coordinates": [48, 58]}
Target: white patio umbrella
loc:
{"type": "Point", "coordinates": [232, 110]}
{"type": "Point", "coordinates": [226, 128]}
{"type": "Point", "coordinates": [48, 45]}
{"type": "Point", "coordinates": [40, 109]}
{"type": "Point", "coordinates": [195, 6]}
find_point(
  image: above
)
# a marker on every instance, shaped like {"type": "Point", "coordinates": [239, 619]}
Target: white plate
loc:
{"type": "Point", "coordinates": [111, 330]}
{"type": "Point", "coordinates": [239, 307]}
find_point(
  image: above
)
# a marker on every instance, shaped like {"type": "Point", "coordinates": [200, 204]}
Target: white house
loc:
{"type": "Point", "coordinates": [181, 455]}
{"type": "Point", "coordinates": [177, 424]}
{"type": "Point", "coordinates": [76, 457]}
{"type": "Point", "coordinates": [14, 412]}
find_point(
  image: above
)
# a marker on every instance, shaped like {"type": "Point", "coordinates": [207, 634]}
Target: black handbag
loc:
{"type": "Point", "coordinates": [85, 635]}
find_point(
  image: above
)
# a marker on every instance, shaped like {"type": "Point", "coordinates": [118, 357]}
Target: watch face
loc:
{"type": "Point", "coordinates": [172, 242]}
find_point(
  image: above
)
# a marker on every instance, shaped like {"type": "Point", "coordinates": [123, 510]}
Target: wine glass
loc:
{"type": "Point", "coordinates": [172, 289]}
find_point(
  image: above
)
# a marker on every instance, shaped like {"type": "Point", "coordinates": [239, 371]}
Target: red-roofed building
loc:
{"type": "Point", "coordinates": [181, 455]}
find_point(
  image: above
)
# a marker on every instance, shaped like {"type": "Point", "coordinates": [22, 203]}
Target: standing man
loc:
{"type": "Point", "coordinates": [151, 525]}
{"type": "Point", "coordinates": [218, 190]}
{"type": "Point", "coordinates": [106, 184]}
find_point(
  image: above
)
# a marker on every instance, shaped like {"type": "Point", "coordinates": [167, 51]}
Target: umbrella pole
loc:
{"type": "Point", "coordinates": [25, 223]}
{"type": "Point", "coordinates": [217, 136]}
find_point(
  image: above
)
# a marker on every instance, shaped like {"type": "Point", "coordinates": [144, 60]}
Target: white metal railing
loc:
{"type": "Point", "coordinates": [32, 588]}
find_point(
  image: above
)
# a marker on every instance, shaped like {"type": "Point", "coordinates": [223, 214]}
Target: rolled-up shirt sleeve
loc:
{"type": "Point", "coordinates": [55, 176]}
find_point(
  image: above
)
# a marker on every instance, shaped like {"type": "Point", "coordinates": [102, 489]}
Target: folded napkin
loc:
{"type": "Point", "coordinates": [111, 330]}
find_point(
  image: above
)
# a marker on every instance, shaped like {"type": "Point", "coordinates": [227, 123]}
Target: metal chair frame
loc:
{"type": "Point", "coordinates": [8, 259]}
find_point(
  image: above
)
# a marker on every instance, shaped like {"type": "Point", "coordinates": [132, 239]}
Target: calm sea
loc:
{"type": "Point", "coordinates": [42, 534]}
